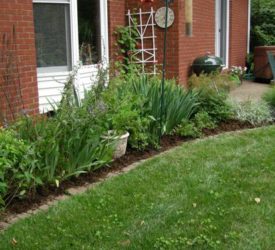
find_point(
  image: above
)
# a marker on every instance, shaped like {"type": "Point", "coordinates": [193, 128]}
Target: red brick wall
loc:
{"type": "Point", "coordinates": [116, 17]}
{"type": "Point", "coordinates": [173, 35]}
{"type": "Point", "coordinates": [182, 50]}
{"type": "Point", "coordinates": [17, 15]}
{"type": "Point", "coordinates": [19, 78]}
{"type": "Point", "coordinates": [202, 39]}
{"type": "Point", "coordinates": [238, 32]}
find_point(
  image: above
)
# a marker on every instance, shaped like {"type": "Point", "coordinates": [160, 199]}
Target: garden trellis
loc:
{"type": "Point", "coordinates": [145, 26]}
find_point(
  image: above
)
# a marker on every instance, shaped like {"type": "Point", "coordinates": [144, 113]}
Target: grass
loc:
{"type": "Point", "coordinates": [216, 193]}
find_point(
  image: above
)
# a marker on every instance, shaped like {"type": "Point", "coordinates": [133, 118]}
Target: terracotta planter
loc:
{"type": "Point", "coordinates": [262, 68]}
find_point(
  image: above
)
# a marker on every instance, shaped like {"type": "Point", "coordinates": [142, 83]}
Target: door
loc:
{"type": "Point", "coordinates": [222, 30]}
{"type": "Point", "coordinates": [69, 34]}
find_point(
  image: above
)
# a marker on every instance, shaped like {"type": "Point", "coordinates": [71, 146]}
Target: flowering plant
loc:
{"type": "Point", "coordinates": [238, 71]}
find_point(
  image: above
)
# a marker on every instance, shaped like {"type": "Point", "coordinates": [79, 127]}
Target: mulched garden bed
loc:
{"type": "Point", "coordinates": [18, 206]}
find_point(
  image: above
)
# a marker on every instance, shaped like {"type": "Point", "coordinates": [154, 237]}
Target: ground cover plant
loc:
{"type": "Point", "coordinates": [254, 112]}
{"type": "Point", "coordinates": [215, 193]}
{"type": "Point", "coordinates": [269, 97]}
{"type": "Point", "coordinates": [17, 167]}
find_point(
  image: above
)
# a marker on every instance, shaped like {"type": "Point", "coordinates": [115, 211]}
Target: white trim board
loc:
{"type": "Point", "coordinates": [52, 1]}
{"type": "Point", "coordinates": [217, 30]}
{"type": "Point", "coordinates": [248, 26]}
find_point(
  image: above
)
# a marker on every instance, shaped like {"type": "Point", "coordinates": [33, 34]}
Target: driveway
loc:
{"type": "Point", "coordinates": [249, 91]}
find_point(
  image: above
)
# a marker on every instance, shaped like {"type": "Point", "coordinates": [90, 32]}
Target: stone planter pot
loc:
{"type": "Point", "coordinates": [120, 143]}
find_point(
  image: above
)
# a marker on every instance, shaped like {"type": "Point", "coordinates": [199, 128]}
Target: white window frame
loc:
{"type": "Point", "coordinates": [74, 36]}
{"type": "Point", "coordinates": [217, 35]}
{"type": "Point", "coordinates": [248, 26]}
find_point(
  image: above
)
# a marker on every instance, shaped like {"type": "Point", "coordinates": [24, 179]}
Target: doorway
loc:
{"type": "Point", "coordinates": [222, 30]}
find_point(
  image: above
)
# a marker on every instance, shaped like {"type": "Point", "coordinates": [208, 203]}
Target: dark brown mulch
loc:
{"type": "Point", "coordinates": [231, 125]}
{"type": "Point", "coordinates": [43, 194]}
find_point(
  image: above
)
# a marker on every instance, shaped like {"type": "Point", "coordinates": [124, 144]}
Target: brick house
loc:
{"type": "Point", "coordinates": [42, 40]}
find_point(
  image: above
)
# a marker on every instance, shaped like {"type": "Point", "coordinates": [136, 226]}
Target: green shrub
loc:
{"type": "Point", "coordinates": [68, 144]}
{"type": "Point", "coordinates": [215, 81]}
{"type": "Point", "coordinates": [125, 113]}
{"type": "Point", "coordinates": [17, 167]}
{"type": "Point", "coordinates": [269, 97]}
{"type": "Point", "coordinates": [203, 120]}
{"type": "Point", "coordinates": [194, 127]}
{"type": "Point", "coordinates": [133, 105]}
{"type": "Point", "coordinates": [188, 129]}
{"type": "Point", "coordinates": [178, 104]}
{"type": "Point", "coordinates": [254, 112]}
{"type": "Point", "coordinates": [213, 92]}
{"type": "Point", "coordinates": [215, 104]}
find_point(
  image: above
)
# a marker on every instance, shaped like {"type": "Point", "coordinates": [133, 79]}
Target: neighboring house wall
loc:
{"type": "Point", "coordinates": [20, 55]}
{"type": "Point", "coordinates": [238, 32]}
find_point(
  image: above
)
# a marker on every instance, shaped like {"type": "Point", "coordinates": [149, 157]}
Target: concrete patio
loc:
{"type": "Point", "coordinates": [249, 90]}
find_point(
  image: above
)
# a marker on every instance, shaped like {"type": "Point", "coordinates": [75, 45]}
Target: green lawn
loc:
{"type": "Point", "coordinates": [199, 196]}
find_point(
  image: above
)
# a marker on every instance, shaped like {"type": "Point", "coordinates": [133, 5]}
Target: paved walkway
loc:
{"type": "Point", "coordinates": [249, 91]}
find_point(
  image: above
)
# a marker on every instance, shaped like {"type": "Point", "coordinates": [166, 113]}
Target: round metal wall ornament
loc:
{"type": "Point", "coordinates": [160, 17]}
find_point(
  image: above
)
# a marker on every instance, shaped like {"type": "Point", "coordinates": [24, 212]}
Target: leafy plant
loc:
{"type": "Point", "coordinates": [17, 167]}
{"type": "Point", "coordinates": [254, 112]}
{"type": "Point", "coordinates": [222, 82]}
{"type": "Point", "coordinates": [213, 92]}
{"type": "Point", "coordinates": [203, 120]}
{"type": "Point", "coordinates": [215, 104]}
{"type": "Point", "coordinates": [178, 105]}
{"type": "Point", "coordinates": [132, 104]}
{"type": "Point", "coordinates": [188, 129]}
{"type": "Point", "coordinates": [127, 43]}
{"type": "Point", "coordinates": [125, 113]}
{"type": "Point", "coordinates": [269, 97]}
{"type": "Point", "coordinates": [69, 143]}
{"type": "Point", "coordinates": [238, 72]}
{"type": "Point", "coordinates": [194, 127]}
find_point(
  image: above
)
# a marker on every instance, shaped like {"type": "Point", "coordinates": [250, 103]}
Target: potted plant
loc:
{"type": "Point", "coordinates": [120, 141]}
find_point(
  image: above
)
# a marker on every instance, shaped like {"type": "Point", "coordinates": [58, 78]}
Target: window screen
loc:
{"type": "Point", "coordinates": [52, 37]}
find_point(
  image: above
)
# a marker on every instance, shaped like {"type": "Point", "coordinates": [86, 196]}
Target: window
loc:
{"type": "Point", "coordinates": [89, 31]}
{"type": "Point", "coordinates": [52, 36]}
{"type": "Point", "coordinates": [56, 47]}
